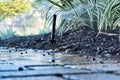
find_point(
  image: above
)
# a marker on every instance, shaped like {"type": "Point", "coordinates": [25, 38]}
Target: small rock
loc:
{"type": "Point", "coordinates": [21, 53]}
{"type": "Point", "coordinates": [102, 43]}
{"type": "Point", "coordinates": [118, 61]}
{"type": "Point", "coordinates": [87, 57]}
{"type": "Point", "coordinates": [58, 75]}
{"type": "Point", "coordinates": [16, 47]}
{"type": "Point", "coordinates": [105, 65]}
{"type": "Point", "coordinates": [43, 54]}
{"type": "Point", "coordinates": [94, 59]}
{"type": "Point", "coordinates": [7, 48]}
{"type": "Point", "coordinates": [101, 62]}
{"type": "Point", "coordinates": [52, 60]}
{"type": "Point", "coordinates": [68, 50]}
{"type": "Point", "coordinates": [98, 48]}
{"type": "Point", "coordinates": [48, 53]}
{"type": "Point", "coordinates": [118, 54]}
{"type": "Point", "coordinates": [9, 51]}
{"type": "Point", "coordinates": [107, 55]}
{"type": "Point", "coordinates": [87, 45]}
{"type": "Point", "coordinates": [11, 63]}
{"type": "Point", "coordinates": [20, 69]}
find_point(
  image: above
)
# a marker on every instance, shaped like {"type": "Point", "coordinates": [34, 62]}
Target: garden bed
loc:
{"type": "Point", "coordinates": [82, 41]}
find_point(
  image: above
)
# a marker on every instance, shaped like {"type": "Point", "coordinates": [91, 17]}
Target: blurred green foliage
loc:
{"type": "Point", "coordinates": [13, 7]}
{"type": "Point", "coordinates": [102, 15]}
{"type": "Point", "coordinates": [7, 34]}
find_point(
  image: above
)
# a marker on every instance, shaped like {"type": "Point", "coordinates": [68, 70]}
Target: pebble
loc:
{"type": "Point", "coordinates": [43, 54]}
{"type": "Point", "coordinates": [94, 59]}
{"type": "Point", "coordinates": [107, 55]}
{"type": "Point", "coordinates": [21, 53]}
{"type": "Point", "coordinates": [20, 69]}
{"type": "Point", "coordinates": [118, 54]}
{"type": "Point", "coordinates": [87, 57]}
{"type": "Point", "coordinates": [87, 45]}
{"type": "Point", "coordinates": [105, 65]}
{"type": "Point", "coordinates": [101, 62]}
{"type": "Point", "coordinates": [48, 53]}
{"type": "Point", "coordinates": [9, 51]}
{"type": "Point", "coordinates": [52, 60]}
{"type": "Point", "coordinates": [68, 50]}
{"type": "Point", "coordinates": [58, 75]}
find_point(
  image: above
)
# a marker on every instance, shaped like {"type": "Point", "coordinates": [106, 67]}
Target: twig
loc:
{"type": "Point", "coordinates": [109, 34]}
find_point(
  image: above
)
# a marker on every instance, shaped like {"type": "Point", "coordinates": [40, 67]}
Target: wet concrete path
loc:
{"type": "Point", "coordinates": [22, 64]}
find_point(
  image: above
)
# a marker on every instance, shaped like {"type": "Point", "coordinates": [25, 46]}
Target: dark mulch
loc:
{"type": "Point", "coordinates": [80, 41]}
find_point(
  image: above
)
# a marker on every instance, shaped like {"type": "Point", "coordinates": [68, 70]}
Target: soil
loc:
{"type": "Point", "coordinates": [82, 41]}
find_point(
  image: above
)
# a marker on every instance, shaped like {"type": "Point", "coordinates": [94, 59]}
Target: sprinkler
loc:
{"type": "Point", "coordinates": [53, 29]}
{"type": "Point", "coordinates": [52, 41]}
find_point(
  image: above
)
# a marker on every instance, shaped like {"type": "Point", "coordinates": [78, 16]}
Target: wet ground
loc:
{"type": "Point", "coordinates": [33, 64]}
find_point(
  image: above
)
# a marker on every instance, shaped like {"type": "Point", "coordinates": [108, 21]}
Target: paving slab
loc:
{"type": "Point", "coordinates": [37, 65]}
{"type": "Point", "coordinates": [34, 78]}
{"type": "Point", "coordinates": [99, 76]}
{"type": "Point", "coordinates": [44, 72]}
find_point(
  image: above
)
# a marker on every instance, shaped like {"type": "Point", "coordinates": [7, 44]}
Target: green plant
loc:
{"type": "Point", "coordinates": [107, 14]}
{"type": "Point", "coordinates": [69, 22]}
{"type": "Point", "coordinates": [7, 34]}
{"type": "Point", "coordinates": [43, 31]}
{"type": "Point", "coordinates": [85, 12]}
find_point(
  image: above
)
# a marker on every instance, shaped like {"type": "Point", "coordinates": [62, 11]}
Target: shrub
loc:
{"type": "Point", "coordinates": [106, 14]}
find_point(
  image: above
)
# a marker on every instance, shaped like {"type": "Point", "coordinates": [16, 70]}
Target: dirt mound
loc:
{"type": "Point", "coordinates": [81, 41]}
